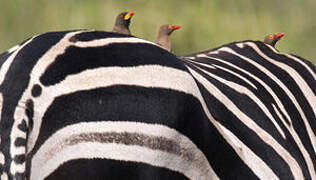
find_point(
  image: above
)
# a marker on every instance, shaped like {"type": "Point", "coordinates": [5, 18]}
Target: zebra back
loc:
{"type": "Point", "coordinates": [264, 102]}
{"type": "Point", "coordinates": [83, 104]}
{"type": "Point", "coordinates": [79, 104]}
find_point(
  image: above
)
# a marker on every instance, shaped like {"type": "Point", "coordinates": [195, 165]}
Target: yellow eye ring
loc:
{"type": "Point", "coordinates": [170, 26]}
{"type": "Point", "coordinates": [271, 37]}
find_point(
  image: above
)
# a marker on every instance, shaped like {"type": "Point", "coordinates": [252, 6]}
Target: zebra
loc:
{"type": "Point", "coordinates": [93, 104]}
{"type": "Point", "coordinates": [258, 95]}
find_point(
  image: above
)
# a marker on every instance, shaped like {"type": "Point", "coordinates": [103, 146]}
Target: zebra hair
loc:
{"type": "Point", "coordinates": [83, 104]}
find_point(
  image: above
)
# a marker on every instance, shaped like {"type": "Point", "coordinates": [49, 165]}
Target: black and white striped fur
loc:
{"type": "Point", "coordinates": [265, 102]}
{"type": "Point", "coordinates": [88, 104]}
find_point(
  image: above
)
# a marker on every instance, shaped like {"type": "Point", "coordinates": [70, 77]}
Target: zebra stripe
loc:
{"type": "Point", "coordinates": [310, 96]}
{"type": "Point", "coordinates": [252, 96]}
{"type": "Point", "coordinates": [144, 76]}
{"type": "Point", "coordinates": [4, 176]}
{"type": "Point", "coordinates": [308, 93]}
{"type": "Point", "coordinates": [144, 143]}
{"type": "Point", "coordinates": [297, 78]}
{"type": "Point", "coordinates": [37, 89]}
{"type": "Point", "coordinates": [262, 83]}
{"type": "Point", "coordinates": [292, 97]}
{"type": "Point", "coordinates": [263, 135]}
{"type": "Point", "coordinates": [37, 71]}
{"type": "Point", "coordinates": [219, 58]}
{"type": "Point", "coordinates": [8, 62]}
{"type": "Point", "coordinates": [297, 60]}
{"type": "Point", "coordinates": [82, 104]}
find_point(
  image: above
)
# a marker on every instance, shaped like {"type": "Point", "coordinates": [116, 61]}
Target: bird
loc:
{"type": "Point", "coordinates": [272, 39]}
{"type": "Point", "coordinates": [163, 35]}
{"type": "Point", "coordinates": [122, 23]}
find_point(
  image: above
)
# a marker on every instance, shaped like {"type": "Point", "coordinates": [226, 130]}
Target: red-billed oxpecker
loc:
{"type": "Point", "coordinates": [163, 35]}
{"type": "Point", "coordinates": [122, 23]}
{"type": "Point", "coordinates": [272, 39]}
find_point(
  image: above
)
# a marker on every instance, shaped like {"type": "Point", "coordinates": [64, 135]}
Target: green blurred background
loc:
{"type": "Point", "coordinates": [206, 23]}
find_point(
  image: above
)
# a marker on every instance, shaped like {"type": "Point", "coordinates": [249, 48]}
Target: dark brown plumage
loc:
{"type": "Point", "coordinates": [122, 23]}
{"type": "Point", "coordinates": [163, 35]}
{"type": "Point", "coordinates": [272, 39]}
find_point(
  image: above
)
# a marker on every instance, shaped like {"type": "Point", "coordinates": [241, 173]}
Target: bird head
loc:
{"type": "Point", "coordinates": [272, 39]}
{"type": "Point", "coordinates": [168, 29]}
{"type": "Point", "coordinates": [124, 18]}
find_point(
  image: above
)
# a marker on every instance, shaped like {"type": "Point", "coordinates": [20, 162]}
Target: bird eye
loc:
{"type": "Point", "coordinates": [271, 37]}
{"type": "Point", "coordinates": [170, 26]}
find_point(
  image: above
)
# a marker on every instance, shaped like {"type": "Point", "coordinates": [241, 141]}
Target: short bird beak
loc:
{"type": "Point", "coordinates": [128, 15]}
{"type": "Point", "coordinates": [279, 35]}
{"type": "Point", "coordinates": [175, 27]}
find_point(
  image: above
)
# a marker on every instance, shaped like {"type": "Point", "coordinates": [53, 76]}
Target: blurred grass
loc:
{"type": "Point", "coordinates": [206, 24]}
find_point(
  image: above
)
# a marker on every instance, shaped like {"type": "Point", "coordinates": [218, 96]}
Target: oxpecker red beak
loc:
{"type": "Point", "coordinates": [175, 27]}
{"type": "Point", "coordinates": [129, 15]}
{"type": "Point", "coordinates": [279, 35]}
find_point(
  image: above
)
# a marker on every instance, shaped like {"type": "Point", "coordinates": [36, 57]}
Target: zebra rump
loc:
{"type": "Point", "coordinates": [92, 104]}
